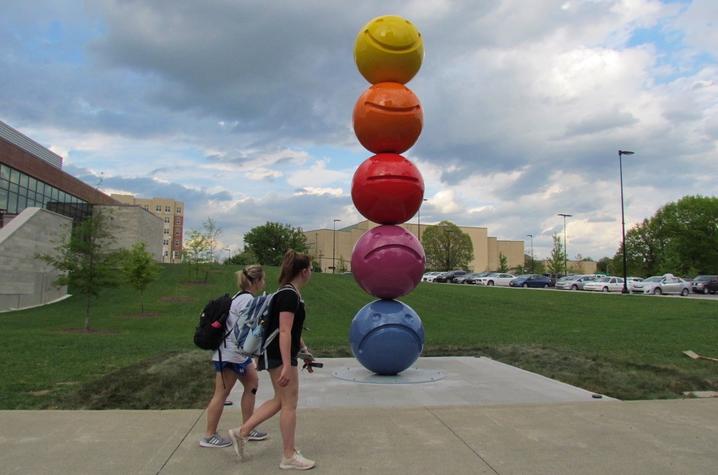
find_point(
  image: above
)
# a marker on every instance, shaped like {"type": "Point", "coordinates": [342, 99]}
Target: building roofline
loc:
{"type": "Point", "coordinates": [24, 142]}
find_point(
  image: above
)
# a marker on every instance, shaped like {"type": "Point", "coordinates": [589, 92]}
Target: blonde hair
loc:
{"type": "Point", "coordinates": [293, 263]}
{"type": "Point", "coordinates": [248, 276]}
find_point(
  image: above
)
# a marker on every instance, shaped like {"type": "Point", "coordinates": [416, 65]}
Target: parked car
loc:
{"type": "Point", "coordinates": [447, 276]}
{"type": "Point", "coordinates": [455, 279]}
{"type": "Point", "coordinates": [462, 279]}
{"type": "Point", "coordinates": [605, 284]}
{"type": "Point", "coordinates": [531, 280]}
{"type": "Point", "coordinates": [475, 278]}
{"type": "Point", "coordinates": [699, 283]}
{"type": "Point", "coordinates": [574, 282]}
{"type": "Point", "coordinates": [712, 286]}
{"type": "Point", "coordinates": [662, 284]}
{"type": "Point", "coordinates": [429, 276]}
{"type": "Point", "coordinates": [496, 278]}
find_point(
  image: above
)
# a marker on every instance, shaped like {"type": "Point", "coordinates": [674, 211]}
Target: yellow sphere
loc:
{"type": "Point", "coordinates": [389, 49]}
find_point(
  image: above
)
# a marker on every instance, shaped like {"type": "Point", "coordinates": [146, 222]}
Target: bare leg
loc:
{"type": "Point", "coordinates": [268, 409]}
{"type": "Point", "coordinates": [288, 396]}
{"type": "Point", "coordinates": [216, 404]}
{"type": "Point", "coordinates": [250, 381]}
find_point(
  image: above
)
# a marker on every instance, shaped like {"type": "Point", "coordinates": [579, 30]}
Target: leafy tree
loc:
{"type": "Point", "coordinates": [139, 269]}
{"type": "Point", "coordinates": [270, 241]}
{"type": "Point", "coordinates": [503, 263]}
{"type": "Point", "coordinates": [602, 264]}
{"type": "Point", "coordinates": [86, 259]}
{"type": "Point", "coordinates": [447, 247]}
{"type": "Point", "coordinates": [342, 267]}
{"type": "Point", "coordinates": [681, 238]}
{"type": "Point", "coordinates": [556, 263]}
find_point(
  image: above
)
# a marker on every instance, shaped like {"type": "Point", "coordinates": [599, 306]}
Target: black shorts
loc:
{"type": "Point", "coordinates": [273, 363]}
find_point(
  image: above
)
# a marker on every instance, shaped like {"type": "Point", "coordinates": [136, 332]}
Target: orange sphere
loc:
{"type": "Point", "coordinates": [388, 118]}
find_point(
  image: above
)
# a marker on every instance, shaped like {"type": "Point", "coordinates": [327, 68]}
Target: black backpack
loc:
{"type": "Point", "coordinates": [211, 331]}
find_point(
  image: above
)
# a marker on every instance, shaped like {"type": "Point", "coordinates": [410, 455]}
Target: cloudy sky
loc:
{"type": "Point", "coordinates": [242, 109]}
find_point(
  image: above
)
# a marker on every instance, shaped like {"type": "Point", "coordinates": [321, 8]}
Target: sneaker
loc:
{"type": "Point", "coordinates": [257, 435]}
{"type": "Point", "coordinates": [239, 442]}
{"type": "Point", "coordinates": [297, 462]}
{"type": "Point", "coordinates": [214, 440]}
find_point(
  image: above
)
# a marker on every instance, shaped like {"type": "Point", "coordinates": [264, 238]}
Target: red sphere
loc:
{"type": "Point", "coordinates": [387, 189]}
{"type": "Point", "coordinates": [388, 118]}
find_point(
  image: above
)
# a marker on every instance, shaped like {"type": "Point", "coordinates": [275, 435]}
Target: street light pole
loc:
{"type": "Point", "coordinates": [229, 253]}
{"type": "Point", "coordinates": [334, 243]}
{"type": "Point", "coordinates": [623, 219]}
{"type": "Point", "coordinates": [565, 244]}
{"type": "Point", "coordinates": [532, 251]}
{"type": "Point", "coordinates": [418, 226]}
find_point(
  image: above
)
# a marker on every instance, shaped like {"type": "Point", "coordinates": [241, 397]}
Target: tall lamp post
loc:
{"type": "Point", "coordinates": [229, 253]}
{"type": "Point", "coordinates": [621, 153]}
{"type": "Point", "coordinates": [334, 243]}
{"type": "Point", "coordinates": [532, 251]}
{"type": "Point", "coordinates": [565, 244]}
{"type": "Point", "coordinates": [418, 226]}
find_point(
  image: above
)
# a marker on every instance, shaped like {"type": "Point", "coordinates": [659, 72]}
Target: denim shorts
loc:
{"type": "Point", "coordinates": [239, 368]}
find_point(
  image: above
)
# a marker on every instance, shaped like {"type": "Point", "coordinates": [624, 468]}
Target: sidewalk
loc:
{"type": "Point", "coordinates": [655, 437]}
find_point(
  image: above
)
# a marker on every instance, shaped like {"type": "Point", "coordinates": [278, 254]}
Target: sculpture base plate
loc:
{"type": "Point", "coordinates": [408, 376]}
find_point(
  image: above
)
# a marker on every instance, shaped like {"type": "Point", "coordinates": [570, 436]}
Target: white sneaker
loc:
{"type": "Point", "coordinates": [297, 462]}
{"type": "Point", "coordinates": [239, 442]}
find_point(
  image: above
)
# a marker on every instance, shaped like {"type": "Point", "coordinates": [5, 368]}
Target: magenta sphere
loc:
{"type": "Point", "coordinates": [388, 262]}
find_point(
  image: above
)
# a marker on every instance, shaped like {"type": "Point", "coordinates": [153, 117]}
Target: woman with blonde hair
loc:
{"type": "Point", "coordinates": [234, 365]}
{"type": "Point", "coordinates": [288, 316]}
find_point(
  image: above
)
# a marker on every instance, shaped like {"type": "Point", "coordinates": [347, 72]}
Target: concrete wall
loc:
{"type": "Point", "coordinates": [24, 280]}
{"type": "Point", "coordinates": [132, 224]}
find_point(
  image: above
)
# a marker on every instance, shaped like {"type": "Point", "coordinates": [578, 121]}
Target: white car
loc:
{"type": "Point", "coordinates": [605, 284]}
{"type": "Point", "coordinates": [663, 284]}
{"type": "Point", "coordinates": [496, 278]}
{"type": "Point", "coordinates": [430, 276]}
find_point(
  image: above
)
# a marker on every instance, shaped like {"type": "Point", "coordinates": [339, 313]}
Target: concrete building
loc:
{"type": "Point", "coordinates": [172, 214]}
{"type": "Point", "coordinates": [130, 225]}
{"type": "Point", "coordinates": [321, 243]}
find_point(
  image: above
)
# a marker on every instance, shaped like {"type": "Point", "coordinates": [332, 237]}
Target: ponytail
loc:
{"type": "Point", "coordinates": [248, 276]}
{"type": "Point", "coordinates": [292, 265]}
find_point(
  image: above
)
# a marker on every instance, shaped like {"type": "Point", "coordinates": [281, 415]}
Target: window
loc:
{"type": "Point", "coordinates": [21, 203]}
{"type": "Point", "coordinates": [24, 180]}
{"type": "Point", "coordinates": [168, 209]}
{"type": "Point", "coordinates": [3, 200]}
{"type": "Point", "coordinates": [14, 176]}
{"type": "Point", "coordinates": [12, 202]}
{"type": "Point", "coordinates": [178, 220]}
{"type": "Point", "coordinates": [4, 172]}
{"type": "Point", "coordinates": [158, 208]}
{"type": "Point", "coordinates": [166, 242]}
{"type": "Point", "coordinates": [32, 184]}
{"type": "Point", "coordinates": [167, 231]}
{"type": "Point", "coordinates": [177, 243]}
{"type": "Point", "coordinates": [55, 194]}
{"type": "Point", "coordinates": [179, 210]}
{"type": "Point", "coordinates": [166, 253]}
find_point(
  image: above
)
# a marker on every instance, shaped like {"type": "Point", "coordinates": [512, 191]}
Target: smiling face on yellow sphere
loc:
{"type": "Point", "coordinates": [389, 49]}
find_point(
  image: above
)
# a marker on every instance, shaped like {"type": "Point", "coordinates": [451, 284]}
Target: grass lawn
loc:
{"type": "Point", "coordinates": [627, 347]}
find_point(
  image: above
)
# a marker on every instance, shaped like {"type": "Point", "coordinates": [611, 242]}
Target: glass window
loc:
{"type": "Point", "coordinates": [14, 188]}
{"type": "Point", "coordinates": [40, 187]}
{"type": "Point", "coordinates": [14, 176]}
{"type": "Point", "coordinates": [168, 209]}
{"type": "Point", "coordinates": [167, 220]}
{"type": "Point", "coordinates": [12, 203]}
{"type": "Point", "coordinates": [167, 231]}
{"type": "Point", "coordinates": [4, 172]}
{"type": "Point", "coordinates": [4, 184]}
{"type": "Point", "coordinates": [24, 180]}
{"type": "Point", "coordinates": [55, 195]}
{"type": "Point", "coordinates": [31, 183]}
{"type": "Point", "coordinates": [3, 200]}
{"type": "Point", "coordinates": [21, 203]}
{"type": "Point", "coordinates": [158, 208]}
{"type": "Point", "coordinates": [179, 210]}
{"type": "Point", "coordinates": [166, 253]}
{"type": "Point", "coordinates": [177, 242]}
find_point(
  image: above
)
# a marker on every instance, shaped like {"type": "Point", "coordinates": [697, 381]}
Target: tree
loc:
{"type": "Point", "coordinates": [139, 269]}
{"type": "Point", "coordinates": [447, 247]}
{"type": "Point", "coordinates": [211, 234]}
{"type": "Point", "coordinates": [270, 241]}
{"type": "Point", "coordinates": [85, 258]}
{"type": "Point", "coordinates": [555, 264]}
{"type": "Point", "coordinates": [342, 264]}
{"type": "Point", "coordinates": [602, 264]}
{"type": "Point", "coordinates": [503, 263]}
{"type": "Point", "coordinates": [195, 252]}
{"type": "Point", "coordinates": [681, 238]}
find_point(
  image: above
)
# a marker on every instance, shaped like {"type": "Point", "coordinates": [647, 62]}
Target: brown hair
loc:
{"type": "Point", "coordinates": [248, 276]}
{"type": "Point", "coordinates": [293, 263]}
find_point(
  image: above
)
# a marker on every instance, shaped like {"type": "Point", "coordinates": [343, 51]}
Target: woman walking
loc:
{"type": "Point", "coordinates": [234, 365]}
{"type": "Point", "coordinates": [288, 315]}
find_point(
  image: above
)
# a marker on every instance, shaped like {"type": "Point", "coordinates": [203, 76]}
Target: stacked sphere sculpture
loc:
{"type": "Point", "coordinates": [387, 336]}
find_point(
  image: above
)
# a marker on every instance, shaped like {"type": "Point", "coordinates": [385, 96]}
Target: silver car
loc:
{"type": "Point", "coordinates": [574, 282]}
{"type": "Point", "coordinates": [662, 284]}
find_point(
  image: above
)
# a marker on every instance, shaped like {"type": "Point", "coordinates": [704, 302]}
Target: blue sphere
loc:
{"type": "Point", "coordinates": [386, 336]}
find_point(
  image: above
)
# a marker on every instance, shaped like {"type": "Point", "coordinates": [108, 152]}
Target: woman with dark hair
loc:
{"type": "Point", "coordinates": [234, 365]}
{"type": "Point", "coordinates": [288, 315]}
